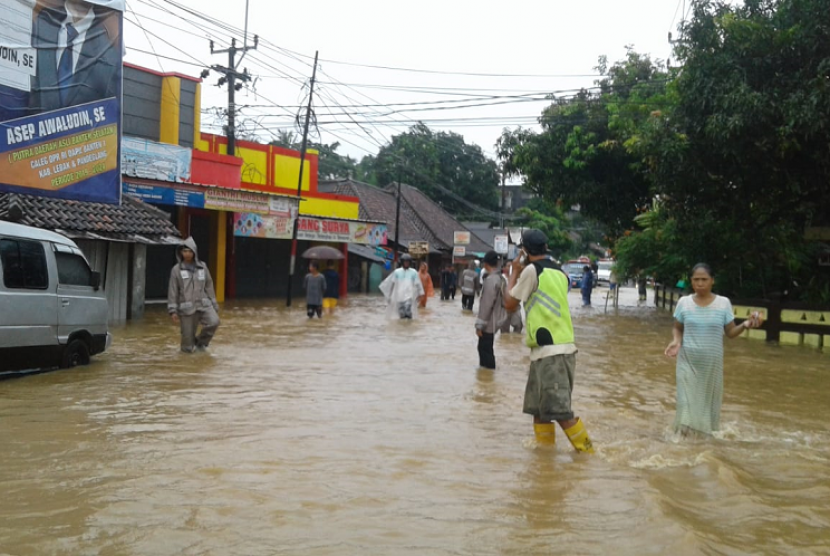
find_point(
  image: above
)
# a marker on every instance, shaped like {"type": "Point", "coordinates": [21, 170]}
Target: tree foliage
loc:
{"type": "Point", "coordinates": [724, 160]}
{"type": "Point", "coordinates": [552, 221]}
{"type": "Point", "coordinates": [740, 160]}
{"type": "Point", "coordinates": [581, 157]}
{"type": "Point", "coordinates": [451, 172]}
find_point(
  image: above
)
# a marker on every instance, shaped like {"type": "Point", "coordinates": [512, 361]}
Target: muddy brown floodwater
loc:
{"type": "Point", "coordinates": [357, 435]}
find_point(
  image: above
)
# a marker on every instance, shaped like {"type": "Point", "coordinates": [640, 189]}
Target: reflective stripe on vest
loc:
{"type": "Point", "coordinates": [547, 310]}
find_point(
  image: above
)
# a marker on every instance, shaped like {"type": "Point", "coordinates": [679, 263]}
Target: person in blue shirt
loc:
{"type": "Point", "coordinates": [587, 285]}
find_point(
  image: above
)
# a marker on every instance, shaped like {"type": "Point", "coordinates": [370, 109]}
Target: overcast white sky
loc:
{"type": "Point", "coordinates": [527, 46]}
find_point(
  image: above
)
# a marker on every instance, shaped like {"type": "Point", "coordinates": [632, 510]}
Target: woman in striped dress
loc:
{"type": "Point", "coordinates": [700, 322]}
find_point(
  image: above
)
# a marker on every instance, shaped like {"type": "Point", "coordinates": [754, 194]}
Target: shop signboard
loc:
{"type": "Point", "coordinates": [279, 226]}
{"type": "Point", "coordinates": [60, 107]}
{"type": "Point", "coordinates": [211, 199]}
{"type": "Point", "coordinates": [418, 248]}
{"type": "Point", "coordinates": [459, 251]}
{"type": "Point", "coordinates": [461, 237]}
{"type": "Point", "coordinates": [341, 231]}
{"type": "Point", "coordinates": [165, 195]}
{"type": "Point", "coordinates": [500, 244]}
{"type": "Point", "coordinates": [233, 200]}
{"type": "Point", "coordinates": [265, 226]}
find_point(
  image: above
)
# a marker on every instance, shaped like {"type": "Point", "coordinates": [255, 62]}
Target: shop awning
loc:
{"type": "Point", "coordinates": [366, 252]}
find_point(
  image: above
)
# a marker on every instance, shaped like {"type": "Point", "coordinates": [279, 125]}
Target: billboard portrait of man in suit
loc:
{"type": "Point", "coordinates": [78, 53]}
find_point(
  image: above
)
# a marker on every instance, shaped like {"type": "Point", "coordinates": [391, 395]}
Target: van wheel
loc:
{"type": "Point", "coordinates": [76, 353]}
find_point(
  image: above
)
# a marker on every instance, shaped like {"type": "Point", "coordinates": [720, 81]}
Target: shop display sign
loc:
{"type": "Point", "coordinates": [319, 229]}
{"type": "Point", "coordinates": [500, 244]}
{"type": "Point", "coordinates": [279, 226]}
{"type": "Point", "coordinates": [265, 226]}
{"type": "Point", "coordinates": [461, 238]}
{"type": "Point", "coordinates": [418, 248]}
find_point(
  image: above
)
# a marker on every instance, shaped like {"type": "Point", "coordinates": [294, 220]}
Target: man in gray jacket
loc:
{"type": "Point", "coordinates": [191, 300]}
{"type": "Point", "coordinates": [491, 311]}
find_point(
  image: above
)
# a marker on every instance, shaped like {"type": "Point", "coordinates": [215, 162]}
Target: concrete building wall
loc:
{"type": "Point", "coordinates": [140, 107]}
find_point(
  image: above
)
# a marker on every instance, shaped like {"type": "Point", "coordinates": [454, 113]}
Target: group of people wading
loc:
{"type": "Point", "coordinates": [532, 280]}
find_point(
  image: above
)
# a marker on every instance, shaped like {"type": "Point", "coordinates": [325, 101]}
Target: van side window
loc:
{"type": "Point", "coordinates": [72, 270]}
{"type": "Point", "coordinates": [24, 264]}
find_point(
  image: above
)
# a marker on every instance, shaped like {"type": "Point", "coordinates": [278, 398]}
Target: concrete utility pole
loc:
{"type": "Point", "coordinates": [303, 149]}
{"type": "Point", "coordinates": [230, 75]}
{"type": "Point", "coordinates": [397, 222]}
{"type": "Point", "coordinates": [501, 224]}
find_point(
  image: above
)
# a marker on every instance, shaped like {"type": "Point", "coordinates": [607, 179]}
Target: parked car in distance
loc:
{"type": "Point", "coordinates": [53, 312]}
{"type": "Point", "coordinates": [573, 268]}
{"type": "Point", "coordinates": [604, 267]}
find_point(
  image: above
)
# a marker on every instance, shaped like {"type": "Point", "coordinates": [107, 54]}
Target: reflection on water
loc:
{"type": "Point", "coordinates": [357, 435]}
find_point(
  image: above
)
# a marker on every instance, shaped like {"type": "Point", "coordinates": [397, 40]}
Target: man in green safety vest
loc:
{"type": "Point", "coordinates": [542, 286]}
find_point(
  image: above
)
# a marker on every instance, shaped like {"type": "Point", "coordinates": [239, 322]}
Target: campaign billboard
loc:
{"type": "Point", "coordinates": [60, 98]}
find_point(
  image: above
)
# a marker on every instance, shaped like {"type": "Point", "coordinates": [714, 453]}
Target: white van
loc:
{"type": "Point", "coordinates": [604, 267]}
{"type": "Point", "coordinates": [52, 310]}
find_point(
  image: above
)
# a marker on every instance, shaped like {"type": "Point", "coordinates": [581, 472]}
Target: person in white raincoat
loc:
{"type": "Point", "coordinates": [403, 289]}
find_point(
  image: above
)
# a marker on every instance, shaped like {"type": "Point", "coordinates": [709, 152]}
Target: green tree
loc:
{"type": "Point", "coordinates": [365, 170]}
{"type": "Point", "coordinates": [553, 222]}
{"type": "Point", "coordinates": [740, 161]}
{"type": "Point", "coordinates": [331, 164]}
{"type": "Point", "coordinates": [456, 175]}
{"type": "Point", "coordinates": [581, 157]}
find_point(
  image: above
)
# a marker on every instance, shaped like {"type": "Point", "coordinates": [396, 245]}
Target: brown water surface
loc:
{"type": "Point", "coordinates": [356, 435]}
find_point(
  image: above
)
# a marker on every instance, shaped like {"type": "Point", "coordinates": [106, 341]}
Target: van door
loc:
{"type": "Point", "coordinates": [81, 307]}
{"type": "Point", "coordinates": [28, 306]}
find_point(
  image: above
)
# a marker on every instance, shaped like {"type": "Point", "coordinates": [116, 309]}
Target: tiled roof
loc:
{"type": "Point", "coordinates": [379, 204]}
{"type": "Point", "coordinates": [422, 219]}
{"type": "Point", "coordinates": [439, 222]}
{"type": "Point", "coordinates": [132, 221]}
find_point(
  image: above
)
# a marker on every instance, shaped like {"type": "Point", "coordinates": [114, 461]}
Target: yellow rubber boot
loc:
{"type": "Point", "coordinates": [545, 433]}
{"type": "Point", "coordinates": [579, 437]}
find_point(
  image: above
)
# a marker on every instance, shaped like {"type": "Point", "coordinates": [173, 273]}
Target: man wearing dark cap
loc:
{"type": "Point", "coordinates": [543, 288]}
{"type": "Point", "coordinates": [491, 311]}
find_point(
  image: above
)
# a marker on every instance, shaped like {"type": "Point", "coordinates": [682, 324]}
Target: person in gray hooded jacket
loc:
{"type": "Point", "coordinates": [191, 300]}
{"type": "Point", "coordinates": [491, 311]}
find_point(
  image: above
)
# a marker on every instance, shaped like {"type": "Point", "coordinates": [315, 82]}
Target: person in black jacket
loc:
{"type": "Point", "coordinates": [587, 285]}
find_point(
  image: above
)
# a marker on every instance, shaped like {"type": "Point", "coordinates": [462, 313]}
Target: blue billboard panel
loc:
{"type": "Point", "coordinates": [165, 195]}
{"type": "Point", "coordinates": [60, 98]}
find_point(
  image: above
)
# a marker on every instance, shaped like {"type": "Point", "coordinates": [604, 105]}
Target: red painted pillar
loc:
{"type": "Point", "coordinates": [344, 270]}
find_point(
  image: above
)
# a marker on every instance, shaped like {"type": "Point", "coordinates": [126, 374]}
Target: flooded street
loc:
{"type": "Point", "coordinates": [357, 435]}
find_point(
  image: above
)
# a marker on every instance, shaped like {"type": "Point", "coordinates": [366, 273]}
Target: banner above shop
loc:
{"type": "Point", "coordinates": [212, 199]}
{"type": "Point", "coordinates": [60, 114]}
{"type": "Point", "coordinates": [142, 158]}
{"type": "Point", "coordinates": [276, 226]}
